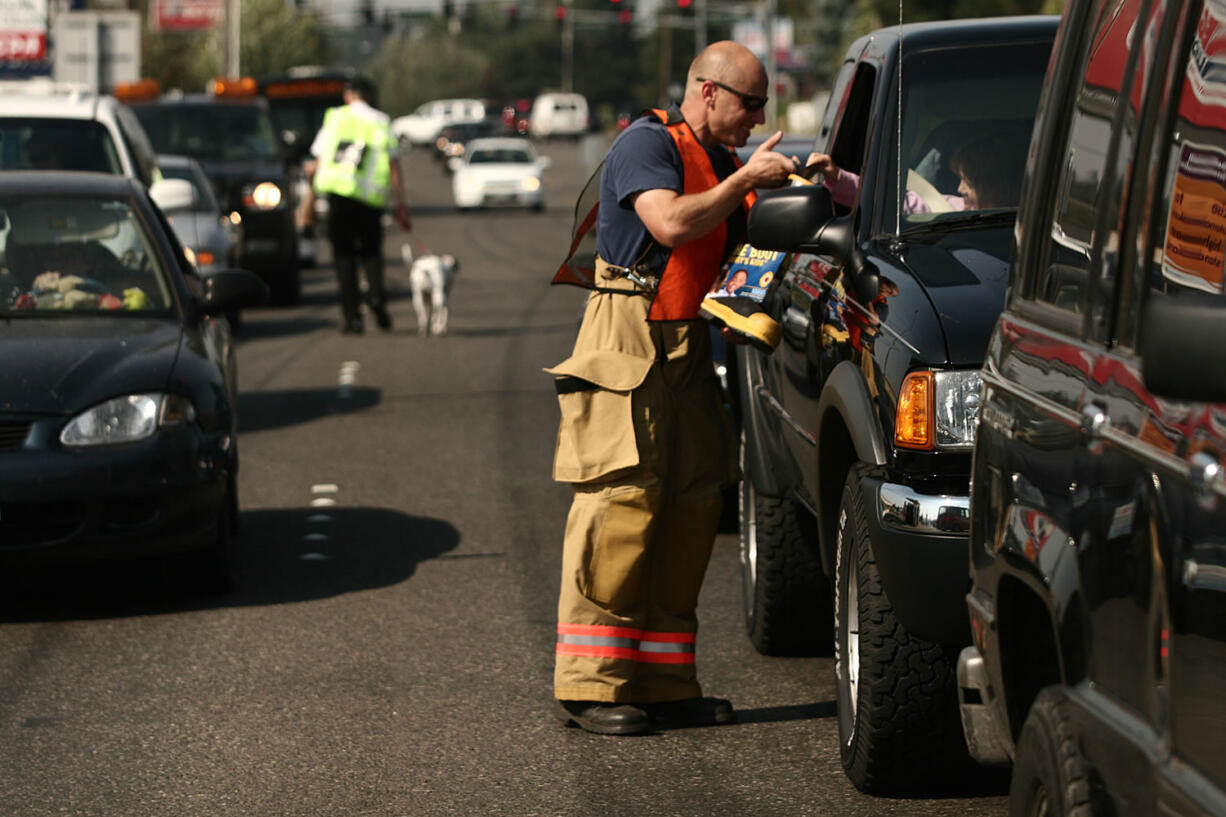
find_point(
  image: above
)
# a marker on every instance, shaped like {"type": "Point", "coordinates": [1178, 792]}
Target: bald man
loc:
{"type": "Point", "coordinates": [644, 440]}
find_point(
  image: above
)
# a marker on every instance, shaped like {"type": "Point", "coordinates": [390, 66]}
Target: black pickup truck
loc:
{"type": "Point", "coordinates": [858, 428]}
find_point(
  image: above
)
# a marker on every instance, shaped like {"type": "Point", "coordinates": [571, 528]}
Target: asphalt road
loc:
{"type": "Point", "coordinates": [387, 647]}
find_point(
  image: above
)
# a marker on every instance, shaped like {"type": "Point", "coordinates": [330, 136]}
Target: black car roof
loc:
{"type": "Point", "coordinates": [67, 182]}
{"type": "Point", "coordinates": [942, 33]}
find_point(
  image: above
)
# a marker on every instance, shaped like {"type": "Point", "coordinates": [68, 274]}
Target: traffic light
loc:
{"type": "Point", "coordinates": [448, 9]}
{"type": "Point", "coordinates": [512, 16]}
{"type": "Point", "coordinates": [625, 16]}
{"type": "Point", "coordinates": [559, 14]}
{"type": "Point", "coordinates": [685, 6]}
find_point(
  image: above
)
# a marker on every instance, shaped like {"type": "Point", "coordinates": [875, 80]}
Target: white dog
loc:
{"type": "Point", "coordinates": [430, 274]}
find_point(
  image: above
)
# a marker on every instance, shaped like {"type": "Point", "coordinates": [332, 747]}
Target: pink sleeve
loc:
{"type": "Point", "coordinates": [914, 203]}
{"type": "Point", "coordinates": [843, 189]}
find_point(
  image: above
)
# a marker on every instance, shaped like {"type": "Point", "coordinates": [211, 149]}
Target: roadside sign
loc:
{"type": "Point", "coordinates": [187, 15]}
{"type": "Point", "coordinates": [23, 31]}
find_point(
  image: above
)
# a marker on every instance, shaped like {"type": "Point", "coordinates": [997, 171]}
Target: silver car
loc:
{"type": "Point", "coordinates": [207, 233]}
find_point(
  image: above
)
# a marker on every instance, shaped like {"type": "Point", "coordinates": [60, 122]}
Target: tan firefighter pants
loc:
{"type": "Point", "coordinates": [648, 448]}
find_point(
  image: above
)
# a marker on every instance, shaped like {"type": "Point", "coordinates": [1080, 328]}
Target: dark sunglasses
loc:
{"type": "Point", "coordinates": [752, 103]}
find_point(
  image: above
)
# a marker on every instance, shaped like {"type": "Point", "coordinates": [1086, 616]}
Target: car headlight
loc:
{"type": "Point", "coordinates": [127, 419]}
{"type": "Point", "coordinates": [263, 196]}
{"type": "Point", "coordinates": [530, 184]}
{"type": "Point", "coordinates": [938, 410]}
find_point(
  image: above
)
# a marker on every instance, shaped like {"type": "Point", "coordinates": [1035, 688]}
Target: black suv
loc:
{"type": "Point", "coordinates": [1098, 529]}
{"type": "Point", "coordinates": [858, 428]}
{"type": "Point", "coordinates": [233, 138]}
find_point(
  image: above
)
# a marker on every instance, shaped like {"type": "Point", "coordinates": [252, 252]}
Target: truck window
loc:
{"type": "Point", "coordinates": [1082, 201]}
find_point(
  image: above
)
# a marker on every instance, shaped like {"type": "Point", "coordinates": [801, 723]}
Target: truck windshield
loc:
{"type": "Point", "coordinates": [211, 131]}
{"type": "Point", "coordinates": [967, 117]}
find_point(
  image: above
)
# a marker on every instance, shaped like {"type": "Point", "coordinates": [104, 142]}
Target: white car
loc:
{"type": "Point", "coordinates": [559, 115]}
{"type": "Point", "coordinates": [423, 125]}
{"type": "Point", "coordinates": [56, 126]}
{"type": "Point", "coordinates": [501, 171]}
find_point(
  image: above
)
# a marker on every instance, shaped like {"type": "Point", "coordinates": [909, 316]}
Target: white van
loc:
{"type": "Point", "coordinates": [558, 114]}
{"type": "Point", "coordinates": [423, 125]}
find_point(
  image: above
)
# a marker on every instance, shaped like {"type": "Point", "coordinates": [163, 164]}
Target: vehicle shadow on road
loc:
{"type": "Point", "coordinates": [257, 325]}
{"type": "Point", "coordinates": [299, 554]}
{"type": "Point", "coordinates": [279, 556]}
{"type": "Point", "coordinates": [278, 408]}
{"type": "Point", "coordinates": [792, 712]}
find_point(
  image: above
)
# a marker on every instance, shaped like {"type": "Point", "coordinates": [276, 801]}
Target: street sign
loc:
{"type": "Point", "coordinates": [22, 46]}
{"type": "Point", "coordinates": [23, 31]}
{"type": "Point", "coordinates": [187, 15]}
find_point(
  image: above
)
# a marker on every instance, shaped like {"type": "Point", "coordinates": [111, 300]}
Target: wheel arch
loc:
{"type": "Point", "coordinates": [840, 441]}
{"type": "Point", "coordinates": [1028, 646]}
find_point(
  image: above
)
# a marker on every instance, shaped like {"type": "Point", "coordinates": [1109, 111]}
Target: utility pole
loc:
{"type": "Point", "coordinates": [700, 26]}
{"type": "Point", "coordinates": [772, 66]}
{"type": "Point", "coordinates": [233, 14]}
{"type": "Point", "coordinates": [568, 48]}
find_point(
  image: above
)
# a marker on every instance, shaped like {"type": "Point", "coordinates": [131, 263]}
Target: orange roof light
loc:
{"type": "Point", "coordinates": [914, 427]}
{"type": "Point", "coordinates": [232, 86]}
{"type": "Point", "coordinates": [137, 90]}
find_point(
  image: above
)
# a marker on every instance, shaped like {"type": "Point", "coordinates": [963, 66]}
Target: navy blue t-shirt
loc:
{"type": "Point", "coordinates": [644, 157]}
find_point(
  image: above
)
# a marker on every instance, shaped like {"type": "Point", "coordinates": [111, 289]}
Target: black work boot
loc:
{"type": "Point", "coordinates": [690, 712]}
{"type": "Point", "coordinates": [746, 317]}
{"type": "Point", "coordinates": [603, 718]}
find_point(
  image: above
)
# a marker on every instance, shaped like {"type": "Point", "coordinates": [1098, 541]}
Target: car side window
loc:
{"type": "Point", "coordinates": [1062, 280]}
{"type": "Point", "coordinates": [852, 134]}
{"type": "Point", "coordinates": [1189, 222]}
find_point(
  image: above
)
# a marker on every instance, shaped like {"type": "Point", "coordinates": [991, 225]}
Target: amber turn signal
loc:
{"type": "Point", "coordinates": [913, 428]}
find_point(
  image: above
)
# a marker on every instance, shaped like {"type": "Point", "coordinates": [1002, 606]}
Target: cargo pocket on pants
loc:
{"type": "Point", "coordinates": [596, 435]}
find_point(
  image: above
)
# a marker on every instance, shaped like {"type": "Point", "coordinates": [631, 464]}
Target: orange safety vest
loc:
{"type": "Point", "coordinates": [692, 268]}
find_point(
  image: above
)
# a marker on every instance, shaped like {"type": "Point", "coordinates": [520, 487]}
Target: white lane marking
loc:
{"type": "Point", "coordinates": [322, 502]}
{"type": "Point", "coordinates": [347, 377]}
{"type": "Point", "coordinates": [315, 537]}
{"type": "Point", "coordinates": [314, 557]}
{"type": "Point", "coordinates": [319, 518]}
{"type": "Point", "coordinates": [325, 488]}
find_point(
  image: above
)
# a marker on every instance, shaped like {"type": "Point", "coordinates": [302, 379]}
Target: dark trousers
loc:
{"type": "Point", "coordinates": [356, 232]}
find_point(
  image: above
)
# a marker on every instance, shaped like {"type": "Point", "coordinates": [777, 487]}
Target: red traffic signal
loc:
{"type": "Point", "coordinates": [624, 16]}
{"type": "Point", "coordinates": [684, 4]}
{"type": "Point", "coordinates": [559, 12]}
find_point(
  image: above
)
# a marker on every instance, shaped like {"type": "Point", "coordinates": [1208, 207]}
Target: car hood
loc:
{"type": "Point", "coordinates": [964, 273]}
{"type": "Point", "coordinates": [63, 365]}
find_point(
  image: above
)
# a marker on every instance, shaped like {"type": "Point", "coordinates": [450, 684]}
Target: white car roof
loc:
{"type": "Point", "coordinates": [68, 105]}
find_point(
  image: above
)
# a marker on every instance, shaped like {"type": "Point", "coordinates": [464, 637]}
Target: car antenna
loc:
{"type": "Point", "coordinates": [898, 138]}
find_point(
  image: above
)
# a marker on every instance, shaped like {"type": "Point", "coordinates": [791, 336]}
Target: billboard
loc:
{"type": "Point", "coordinates": [23, 31]}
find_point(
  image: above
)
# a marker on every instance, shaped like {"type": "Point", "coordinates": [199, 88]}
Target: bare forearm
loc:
{"type": "Point", "coordinates": [674, 219]}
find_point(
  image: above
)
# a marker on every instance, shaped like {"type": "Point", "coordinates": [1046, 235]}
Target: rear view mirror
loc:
{"type": "Point", "coordinates": [1183, 347]}
{"type": "Point", "coordinates": [233, 289]}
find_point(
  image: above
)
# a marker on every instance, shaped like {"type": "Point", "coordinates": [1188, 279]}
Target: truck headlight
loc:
{"type": "Point", "coordinates": [263, 196]}
{"type": "Point", "coordinates": [938, 410]}
{"type": "Point", "coordinates": [127, 419]}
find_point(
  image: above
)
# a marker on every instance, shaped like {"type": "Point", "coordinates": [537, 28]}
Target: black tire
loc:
{"type": "Point", "coordinates": [786, 595]}
{"type": "Point", "coordinates": [899, 728]}
{"type": "Point", "coordinates": [1051, 777]}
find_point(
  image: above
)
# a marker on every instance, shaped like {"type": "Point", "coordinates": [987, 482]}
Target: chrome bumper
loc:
{"type": "Point", "coordinates": [902, 508]}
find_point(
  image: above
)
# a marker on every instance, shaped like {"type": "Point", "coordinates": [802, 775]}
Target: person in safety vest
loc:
{"type": "Point", "coordinates": [356, 165]}
{"type": "Point", "coordinates": [644, 439]}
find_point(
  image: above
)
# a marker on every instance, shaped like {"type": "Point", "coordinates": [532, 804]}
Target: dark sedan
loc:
{"type": "Point", "coordinates": [117, 417]}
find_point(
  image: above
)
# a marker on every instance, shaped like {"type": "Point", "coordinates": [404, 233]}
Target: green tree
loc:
{"type": "Point", "coordinates": [273, 38]}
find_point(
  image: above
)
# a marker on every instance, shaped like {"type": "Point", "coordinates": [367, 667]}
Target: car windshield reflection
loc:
{"type": "Point", "coordinates": [82, 255]}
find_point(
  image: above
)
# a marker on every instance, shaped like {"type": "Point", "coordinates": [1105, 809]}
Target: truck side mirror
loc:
{"type": "Point", "coordinates": [801, 219]}
{"type": "Point", "coordinates": [1183, 337]}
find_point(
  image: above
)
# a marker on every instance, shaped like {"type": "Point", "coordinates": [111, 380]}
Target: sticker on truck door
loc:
{"type": "Point", "coordinates": [1196, 223]}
